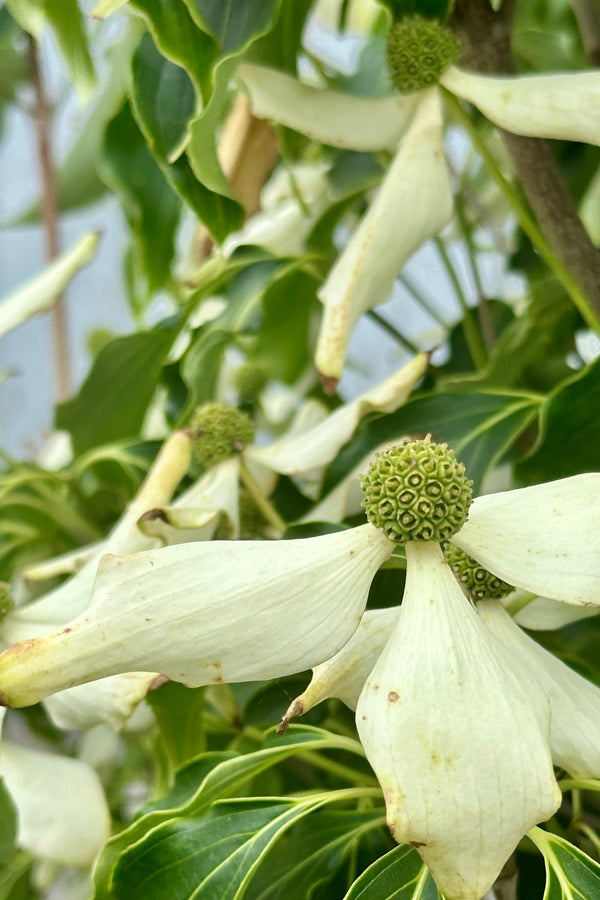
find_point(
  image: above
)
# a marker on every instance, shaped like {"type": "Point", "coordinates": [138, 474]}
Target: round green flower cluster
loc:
{"type": "Point", "coordinates": [417, 491]}
{"type": "Point", "coordinates": [480, 583]}
{"type": "Point", "coordinates": [219, 431]}
{"type": "Point", "coordinates": [250, 379]}
{"type": "Point", "coordinates": [418, 53]}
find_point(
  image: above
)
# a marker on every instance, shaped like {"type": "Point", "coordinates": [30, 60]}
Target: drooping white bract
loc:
{"type": "Point", "coordinates": [62, 811]}
{"type": "Point", "coordinates": [110, 700]}
{"type": "Point", "coordinates": [544, 539]}
{"type": "Point", "coordinates": [574, 701]}
{"type": "Point", "coordinates": [205, 613]}
{"type": "Point", "coordinates": [459, 744]}
{"type": "Point", "coordinates": [553, 106]}
{"type": "Point", "coordinates": [304, 451]}
{"type": "Point", "coordinates": [344, 674]}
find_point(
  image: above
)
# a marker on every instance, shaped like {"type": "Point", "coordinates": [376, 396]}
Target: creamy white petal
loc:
{"type": "Point", "coordinates": [205, 613]}
{"type": "Point", "coordinates": [65, 564]}
{"type": "Point", "coordinates": [316, 447]}
{"type": "Point", "coordinates": [543, 614]}
{"type": "Point", "coordinates": [544, 539]}
{"type": "Point", "coordinates": [344, 675]}
{"type": "Point", "coordinates": [458, 743]}
{"type": "Point", "coordinates": [63, 815]}
{"type": "Point", "coordinates": [346, 498]}
{"type": "Point", "coordinates": [330, 117]}
{"type": "Point", "coordinates": [110, 701]}
{"type": "Point", "coordinates": [71, 598]}
{"type": "Point", "coordinates": [563, 106]}
{"type": "Point", "coordinates": [574, 701]}
{"type": "Point", "coordinates": [413, 203]}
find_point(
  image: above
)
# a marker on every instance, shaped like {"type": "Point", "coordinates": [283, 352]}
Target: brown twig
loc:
{"type": "Point", "coordinates": [485, 37]}
{"type": "Point", "coordinates": [42, 116]}
{"type": "Point", "coordinates": [587, 13]}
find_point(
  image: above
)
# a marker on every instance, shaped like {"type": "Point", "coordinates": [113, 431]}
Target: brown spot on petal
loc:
{"type": "Point", "coordinates": [418, 843]}
{"type": "Point", "coordinates": [393, 697]}
{"type": "Point", "coordinates": [296, 709]}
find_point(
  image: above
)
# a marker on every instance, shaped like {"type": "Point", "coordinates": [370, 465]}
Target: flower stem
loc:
{"type": "Point", "coordinates": [422, 300]}
{"type": "Point", "coordinates": [524, 218]}
{"type": "Point", "coordinates": [264, 505]}
{"type": "Point", "coordinates": [483, 310]}
{"type": "Point", "coordinates": [520, 603]}
{"type": "Point", "coordinates": [408, 345]}
{"type": "Point", "coordinates": [472, 336]}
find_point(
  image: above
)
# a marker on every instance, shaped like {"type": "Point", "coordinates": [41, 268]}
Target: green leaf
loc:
{"type": "Point", "coordinates": [325, 841]}
{"type": "Point", "coordinates": [235, 24]}
{"type": "Point", "coordinates": [66, 20]}
{"type": "Point", "coordinates": [42, 292]}
{"type": "Point", "coordinates": [569, 433]}
{"type": "Point", "coordinates": [279, 48]}
{"type": "Point", "coordinates": [8, 826]}
{"type": "Point", "coordinates": [206, 858]}
{"type": "Point", "coordinates": [113, 399]}
{"type": "Point", "coordinates": [400, 875]}
{"type": "Point", "coordinates": [209, 778]}
{"type": "Point", "coordinates": [164, 100]}
{"type": "Point", "coordinates": [570, 873]}
{"type": "Point", "coordinates": [151, 206]}
{"type": "Point", "coordinates": [480, 428]}
{"type": "Point", "coordinates": [178, 710]}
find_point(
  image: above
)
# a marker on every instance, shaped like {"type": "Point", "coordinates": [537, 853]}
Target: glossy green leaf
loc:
{"type": "Point", "coordinates": [235, 24]}
{"type": "Point", "coordinates": [570, 873]}
{"type": "Point", "coordinates": [310, 852]}
{"type": "Point", "coordinates": [214, 856]}
{"type": "Point", "coordinates": [209, 778]}
{"type": "Point", "coordinates": [151, 206]}
{"type": "Point", "coordinates": [399, 875]}
{"type": "Point", "coordinates": [164, 101]}
{"type": "Point", "coordinates": [179, 714]}
{"type": "Point", "coordinates": [480, 428]}
{"type": "Point", "coordinates": [113, 399]}
{"type": "Point", "coordinates": [569, 434]}
{"type": "Point", "coordinates": [8, 826]}
{"type": "Point", "coordinates": [280, 46]}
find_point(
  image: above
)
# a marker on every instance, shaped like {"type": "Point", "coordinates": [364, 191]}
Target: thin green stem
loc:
{"type": "Point", "coordinates": [468, 324]}
{"type": "Point", "coordinates": [393, 332]}
{"type": "Point", "coordinates": [524, 217]}
{"type": "Point", "coordinates": [422, 300]}
{"type": "Point", "coordinates": [264, 505]}
{"type": "Point", "coordinates": [520, 603]}
{"type": "Point", "coordinates": [338, 769]}
{"type": "Point", "coordinates": [483, 310]}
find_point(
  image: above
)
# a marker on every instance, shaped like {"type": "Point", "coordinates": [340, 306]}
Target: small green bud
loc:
{"type": "Point", "coordinates": [218, 432]}
{"type": "Point", "coordinates": [418, 53]}
{"type": "Point", "coordinates": [417, 491]}
{"type": "Point", "coordinates": [480, 583]}
{"type": "Point", "coordinates": [7, 604]}
{"type": "Point", "coordinates": [249, 380]}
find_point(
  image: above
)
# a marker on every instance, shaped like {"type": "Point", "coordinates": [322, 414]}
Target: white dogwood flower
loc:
{"type": "Point", "coordinates": [414, 201]}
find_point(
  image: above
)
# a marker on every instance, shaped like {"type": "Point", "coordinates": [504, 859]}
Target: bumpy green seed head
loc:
{"type": "Point", "coordinates": [7, 604]}
{"type": "Point", "coordinates": [480, 583]}
{"type": "Point", "coordinates": [418, 53]}
{"type": "Point", "coordinates": [417, 491]}
{"type": "Point", "coordinates": [250, 379]}
{"type": "Point", "coordinates": [218, 432]}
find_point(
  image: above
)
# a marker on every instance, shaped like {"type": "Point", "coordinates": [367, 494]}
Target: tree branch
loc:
{"type": "Point", "coordinates": [485, 37]}
{"type": "Point", "coordinates": [42, 116]}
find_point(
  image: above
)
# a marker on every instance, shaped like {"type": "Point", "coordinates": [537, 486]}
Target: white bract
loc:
{"type": "Point", "coordinates": [414, 201]}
